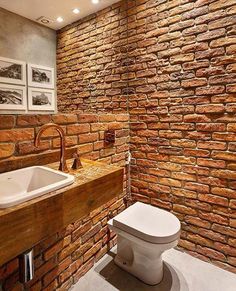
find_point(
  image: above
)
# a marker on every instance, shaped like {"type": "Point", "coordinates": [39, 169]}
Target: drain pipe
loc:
{"type": "Point", "coordinates": [26, 266]}
{"type": "Point", "coordinates": [128, 200]}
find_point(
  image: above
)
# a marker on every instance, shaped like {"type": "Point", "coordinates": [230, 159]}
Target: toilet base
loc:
{"type": "Point", "coordinates": [151, 279]}
{"type": "Point", "coordinates": [141, 259]}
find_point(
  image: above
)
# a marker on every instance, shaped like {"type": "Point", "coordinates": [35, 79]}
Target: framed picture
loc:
{"type": "Point", "coordinates": [41, 99]}
{"type": "Point", "coordinates": [40, 77]}
{"type": "Point", "coordinates": [12, 97]}
{"type": "Point", "coordinates": [12, 71]}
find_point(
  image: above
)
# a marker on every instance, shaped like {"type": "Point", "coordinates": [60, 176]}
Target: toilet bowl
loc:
{"type": "Point", "coordinates": [144, 232]}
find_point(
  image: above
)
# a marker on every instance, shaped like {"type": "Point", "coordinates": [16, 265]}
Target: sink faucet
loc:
{"type": "Point", "coordinates": [63, 166]}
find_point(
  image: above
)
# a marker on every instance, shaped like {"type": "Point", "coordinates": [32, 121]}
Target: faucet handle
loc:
{"type": "Point", "coordinates": [77, 163]}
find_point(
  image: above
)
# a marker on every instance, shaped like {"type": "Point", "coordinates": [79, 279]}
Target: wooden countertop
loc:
{"type": "Point", "coordinates": [25, 225]}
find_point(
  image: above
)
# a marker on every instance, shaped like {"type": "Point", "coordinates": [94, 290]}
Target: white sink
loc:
{"type": "Point", "coordinates": [25, 184]}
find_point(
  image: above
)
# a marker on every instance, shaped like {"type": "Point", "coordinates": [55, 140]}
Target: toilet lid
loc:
{"type": "Point", "coordinates": [148, 223]}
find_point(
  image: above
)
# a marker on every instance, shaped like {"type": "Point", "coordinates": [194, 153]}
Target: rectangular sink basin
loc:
{"type": "Point", "coordinates": [28, 183]}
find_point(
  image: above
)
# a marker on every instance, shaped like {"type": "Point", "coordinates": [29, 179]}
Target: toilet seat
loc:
{"type": "Point", "coordinates": [148, 223]}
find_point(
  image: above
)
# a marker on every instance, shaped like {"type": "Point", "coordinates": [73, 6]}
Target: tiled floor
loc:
{"type": "Point", "coordinates": [182, 273]}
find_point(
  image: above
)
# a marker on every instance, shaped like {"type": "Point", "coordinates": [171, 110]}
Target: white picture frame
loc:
{"type": "Point", "coordinates": [41, 99]}
{"type": "Point", "coordinates": [12, 71]}
{"type": "Point", "coordinates": [13, 97]}
{"type": "Point", "coordinates": [41, 76]}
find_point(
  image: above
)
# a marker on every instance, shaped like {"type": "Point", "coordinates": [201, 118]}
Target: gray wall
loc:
{"type": "Point", "coordinates": [25, 40]}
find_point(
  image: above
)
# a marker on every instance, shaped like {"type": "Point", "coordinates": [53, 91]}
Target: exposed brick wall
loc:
{"type": "Point", "coordinates": [85, 131]}
{"type": "Point", "coordinates": [62, 259]}
{"type": "Point", "coordinates": [175, 76]}
{"type": "Point", "coordinates": [91, 63]}
{"type": "Point", "coordinates": [183, 73]}
{"type": "Point", "coordinates": [92, 81]}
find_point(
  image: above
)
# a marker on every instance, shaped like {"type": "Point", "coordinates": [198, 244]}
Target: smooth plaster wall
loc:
{"type": "Point", "coordinates": [23, 39]}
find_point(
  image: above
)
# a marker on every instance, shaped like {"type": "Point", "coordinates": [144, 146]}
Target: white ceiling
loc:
{"type": "Point", "coordinates": [33, 9]}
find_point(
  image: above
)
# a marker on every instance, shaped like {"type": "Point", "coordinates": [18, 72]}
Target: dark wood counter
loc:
{"type": "Point", "coordinates": [25, 225]}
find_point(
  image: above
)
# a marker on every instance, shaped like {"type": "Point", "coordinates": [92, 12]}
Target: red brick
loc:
{"type": "Point", "coordinates": [210, 90]}
{"type": "Point", "coordinates": [52, 251]}
{"type": "Point", "coordinates": [212, 235]}
{"type": "Point", "coordinates": [81, 230]}
{"type": "Point", "coordinates": [87, 118]}
{"type": "Point", "coordinates": [91, 232]}
{"type": "Point", "coordinates": [7, 121]}
{"type": "Point", "coordinates": [211, 163]}
{"type": "Point", "coordinates": [9, 268]}
{"type": "Point", "coordinates": [197, 221]}
{"type": "Point", "coordinates": [88, 137]}
{"type": "Point", "coordinates": [186, 244]}
{"type": "Point", "coordinates": [193, 83]}
{"type": "Point", "coordinates": [214, 217]}
{"type": "Point", "coordinates": [15, 135]}
{"type": "Point", "coordinates": [184, 209]}
{"type": "Point", "coordinates": [64, 118]}
{"type": "Point", "coordinates": [70, 141]}
{"type": "Point", "coordinates": [32, 120]}
{"type": "Point", "coordinates": [6, 150]}
{"type": "Point", "coordinates": [210, 109]}
{"type": "Point", "coordinates": [214, 145]}
{"type": "Point", "coordinates": [226, 249]}
{"type": "Point", "coordinates": [225, 192]}
{"type": "Point", "coordinates": [28, 147]}
{"type": "Point", "coordinates": [197, 187]}
{"type": "Point", "coordinates": [213, 199]}
{"type": "Point", "coordinates": [220, 4]}
{"type": "Point", "coordinates": [211, 253]}
{"type": "Point", "coordinates": [78, 129]}
{"type": "Point", "coordinates": [91, 252]}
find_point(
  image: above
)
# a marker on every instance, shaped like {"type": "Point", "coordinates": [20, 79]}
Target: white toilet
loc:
{"type": "Point", "coordinates": [144, 232]}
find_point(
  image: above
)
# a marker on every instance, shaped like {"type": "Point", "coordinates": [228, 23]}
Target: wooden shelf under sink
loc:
{"type": "Point", "coordinates": [25, 225]}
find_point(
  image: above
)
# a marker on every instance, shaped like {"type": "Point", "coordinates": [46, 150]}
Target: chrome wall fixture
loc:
{"type": "Point", "coordinates": [26, 266]}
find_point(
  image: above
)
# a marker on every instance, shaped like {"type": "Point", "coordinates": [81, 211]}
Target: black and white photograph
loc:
{"type": "Point", "coordinates": [12, 71]}
{"type": "Point", "coordinates": [41, 99]}
{"type": "Point", "coordinates": [40, 77]}
{"type": "Point", "coordinates": [12, 97]}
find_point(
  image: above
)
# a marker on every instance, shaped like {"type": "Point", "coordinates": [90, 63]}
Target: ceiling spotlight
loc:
{"type": "Point", "coordinates": [60, 19]}
{"type": "Point", "coordinates": [76, 11]}
{"type": "Point", "coordinates": [95, 1]}
{"type": "Point", "coordinates": [45, 21]}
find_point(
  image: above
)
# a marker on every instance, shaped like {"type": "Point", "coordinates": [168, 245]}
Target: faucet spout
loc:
{"type": "Point", "coordinates": [59, 129]}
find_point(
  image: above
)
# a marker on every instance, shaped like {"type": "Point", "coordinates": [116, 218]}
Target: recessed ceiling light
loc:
{"type": "Point", "coordinates": [60, 19]}
{"type": "Point", "coordinates": [45, 21]}
{"type": "Point", "coordinates": [95, 1]}
{"type": "Point", "coordinates": [76, 11]}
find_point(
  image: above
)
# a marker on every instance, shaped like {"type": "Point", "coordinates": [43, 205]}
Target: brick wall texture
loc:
{"type": "Point", "coordinates": [91, 63]}
{"type": "Point", "coordinates": [182, 72]}
{"type": "Point", "coordinates": [64, 257]}
{"type": "Point", "coordinates": [166, 71]}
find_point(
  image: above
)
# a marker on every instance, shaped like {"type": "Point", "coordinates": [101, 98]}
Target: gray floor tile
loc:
{"type": "Point", "coordinates": [182, 272]}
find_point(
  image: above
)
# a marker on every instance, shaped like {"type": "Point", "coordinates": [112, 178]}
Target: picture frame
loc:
{"type": "Point", "coordinates": [13, 97]}
{"type": "Point", "coordinates": [12, 71]}
{"type": "Point", "coordinates": [41, 76]}
{"type": "Point", "coordinates": [41, 99]}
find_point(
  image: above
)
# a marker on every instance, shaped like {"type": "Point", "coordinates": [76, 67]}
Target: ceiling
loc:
{"type": "Point", "coordinates": [52, 9]}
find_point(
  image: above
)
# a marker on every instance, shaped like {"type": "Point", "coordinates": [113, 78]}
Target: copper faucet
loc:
{"type": "Point", "coordinates": [63, 166]}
